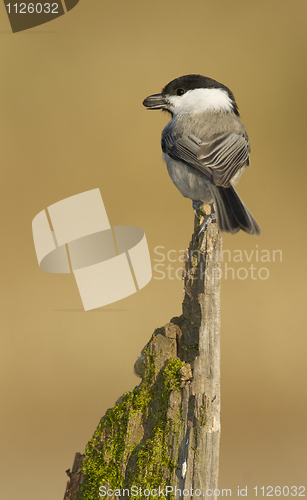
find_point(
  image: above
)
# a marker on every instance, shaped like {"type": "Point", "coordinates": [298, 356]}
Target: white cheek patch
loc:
{"type": "Point", "coordinates": [197, 100]}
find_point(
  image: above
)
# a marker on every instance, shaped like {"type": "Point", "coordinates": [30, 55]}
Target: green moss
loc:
{"type": "Point", "coordinates": [196, 453]}
{"type": "Point", "coordinates": [200, 215]}
{"type": "Point", "coordinates": [191, 347]}
{"type": "Point", "coordinates": [203, 416]}
{"type": "Point", "coordinates": [111, 447]}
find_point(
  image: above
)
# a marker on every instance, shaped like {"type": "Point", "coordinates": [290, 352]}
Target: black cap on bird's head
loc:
{"type": "Point", "coordinates": [168, 99]}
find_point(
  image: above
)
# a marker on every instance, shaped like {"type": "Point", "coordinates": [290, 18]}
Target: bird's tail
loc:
{"type": "Point", "coordinates": [232, 215]}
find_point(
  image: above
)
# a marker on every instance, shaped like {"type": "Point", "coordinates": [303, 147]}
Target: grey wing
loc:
{"type": "Point", "coordinates": [219, 157]}
{"type": "Point", "coordinates": [224, 154]}
{"type": "Point", "coordinates": [184, 148]}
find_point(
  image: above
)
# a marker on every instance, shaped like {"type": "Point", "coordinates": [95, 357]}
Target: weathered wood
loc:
{"type": "Point", "coordinates": [75, 478]}
{"type": "Point", "coordinates": [201, 309]}
{"type": "Point", "coordinates": [166, 432]}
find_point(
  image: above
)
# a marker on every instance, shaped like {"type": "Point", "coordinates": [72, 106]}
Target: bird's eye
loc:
{"type": "Point", "coordinates": [180, 91]}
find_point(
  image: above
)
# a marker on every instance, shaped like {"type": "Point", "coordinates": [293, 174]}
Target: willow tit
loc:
{"type": "Point", "coordinates": [205, 146]}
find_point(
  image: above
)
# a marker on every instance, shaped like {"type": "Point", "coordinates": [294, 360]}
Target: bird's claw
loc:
{"type": "Point", "coordinates": [211, 218]}
{"type": "Point", "coordinates": [196, 205]}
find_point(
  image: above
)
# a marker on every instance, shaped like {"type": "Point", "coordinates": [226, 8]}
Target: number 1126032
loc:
{"type": "Point", "coordinates": [38, 8]}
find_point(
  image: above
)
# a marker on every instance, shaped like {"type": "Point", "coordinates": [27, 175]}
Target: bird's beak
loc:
{"type": "Point", "coordinates": [156, 101]}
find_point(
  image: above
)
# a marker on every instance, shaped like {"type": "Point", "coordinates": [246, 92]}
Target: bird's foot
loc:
{"type": "Point", "coordinates": [196, 205]}
{"type": "Point", "coordinates": [203, 211]}
{"type": "Point", "coordinates": [210, 218]}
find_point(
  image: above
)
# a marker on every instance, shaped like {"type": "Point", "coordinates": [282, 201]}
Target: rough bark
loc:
{"type": "Point", "coordinates": [166, 432]}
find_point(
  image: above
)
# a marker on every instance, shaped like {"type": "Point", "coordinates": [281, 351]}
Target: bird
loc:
{"type": "Point", "coordinates": [205, 147]}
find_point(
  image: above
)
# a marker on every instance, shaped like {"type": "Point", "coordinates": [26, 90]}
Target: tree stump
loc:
{"type": "Point", "coordinates": [162, 439]}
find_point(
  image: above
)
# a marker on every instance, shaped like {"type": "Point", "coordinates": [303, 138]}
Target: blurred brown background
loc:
{"type": "Point", "coordinates": [72, 120]}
